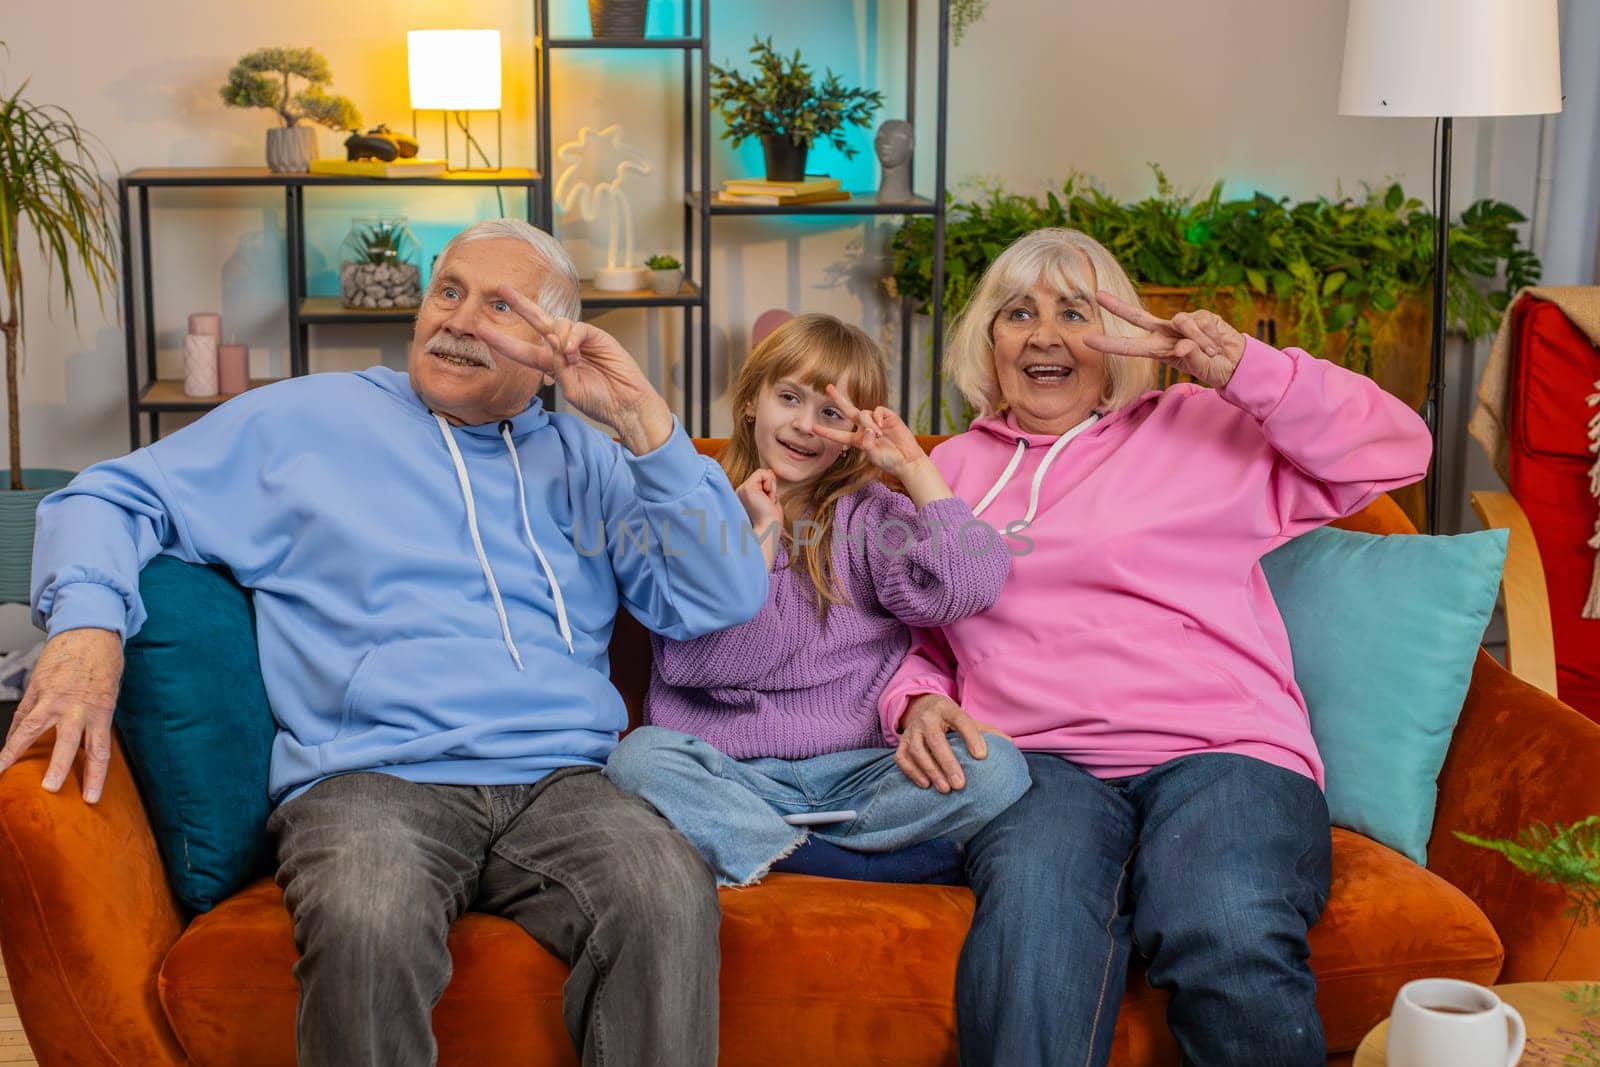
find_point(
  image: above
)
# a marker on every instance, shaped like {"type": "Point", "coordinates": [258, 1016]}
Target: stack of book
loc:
{"type": "Point", "coordinates": [377, 168]}
{"type": "Point", "coordinates": [759, 191]}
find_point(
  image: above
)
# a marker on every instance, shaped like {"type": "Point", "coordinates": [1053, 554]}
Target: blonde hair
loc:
{"type": "Point", "coordinates": [814, 350]}
{"type": "Point", "coordinates": [1056, 257]}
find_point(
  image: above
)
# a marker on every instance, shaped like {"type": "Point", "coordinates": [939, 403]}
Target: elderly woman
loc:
{"type": "Point", "coordinates": [1137, 658]}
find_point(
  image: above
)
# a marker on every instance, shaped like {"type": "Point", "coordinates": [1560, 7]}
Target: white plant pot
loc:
{"type": "Point", "coordinates": [620, 279]}
{"type": "Point", "coordinates": [290, 149]}
{"type": "Point", "coordinates": [666, 282]}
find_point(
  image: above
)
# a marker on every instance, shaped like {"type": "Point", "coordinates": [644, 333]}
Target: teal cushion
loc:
{"type": "Point", "coordinates": [197, 731]}
{"type": "Point", "coordinates": [1384, 632]}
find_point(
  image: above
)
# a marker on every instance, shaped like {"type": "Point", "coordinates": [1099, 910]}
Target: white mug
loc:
{"type": "Point", "coordinates": [1442, 1022]}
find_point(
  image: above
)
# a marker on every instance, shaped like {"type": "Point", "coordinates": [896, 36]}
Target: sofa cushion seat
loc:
{"type": "Point", "coordinates": [814, 971]}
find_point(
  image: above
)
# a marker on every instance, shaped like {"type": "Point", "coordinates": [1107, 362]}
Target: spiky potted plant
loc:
{"type": "Point", "coordinates": [784, 107]}
{"type": "Point", "coordinates": [50, 184]}
{"type": "Point", "coordinates": [265, 78]}
{"type": "Point", "coordinates": [379, 265]}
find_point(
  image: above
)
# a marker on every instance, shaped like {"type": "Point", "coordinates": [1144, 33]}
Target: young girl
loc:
{"type": "Point", "coordinates": [778, 717]}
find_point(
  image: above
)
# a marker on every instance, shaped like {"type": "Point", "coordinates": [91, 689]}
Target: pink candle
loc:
{"type": "Point", "coordinates": [207, 323]}
{"type": "Point", "coordinates": [233, 369]}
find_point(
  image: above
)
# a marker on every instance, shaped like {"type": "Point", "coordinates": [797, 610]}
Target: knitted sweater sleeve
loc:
{"type": "Point", "coordinates": [927, 566]}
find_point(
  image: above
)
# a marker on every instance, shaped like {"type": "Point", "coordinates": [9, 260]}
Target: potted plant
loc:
{"type": "Point", "coordinates": [787, 110]}
{"type": "Point", "coordinates": [666, 275]}
{"type": "Point", "coordinates": [49, 183]}
{"type": "Point", "coordinates": [618, 18]}
{"type": "Point", "coordinates": [264, 78]}
{"type": "Point", "coordinates": [1344, 278]}
{"type": "Point", "coordinates": [1567, 857]}
{"type": "Point", "coordinates": [379, 265]}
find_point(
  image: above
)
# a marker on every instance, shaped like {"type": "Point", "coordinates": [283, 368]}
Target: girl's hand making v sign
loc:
{"type": "Point", "coordinates": [888, 443]}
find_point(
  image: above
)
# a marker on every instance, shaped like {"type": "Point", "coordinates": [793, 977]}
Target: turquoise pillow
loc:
{"type": "Point", "coordinates": [1384, 632]}
{"type": "Point", "coordinates": [197, 731]}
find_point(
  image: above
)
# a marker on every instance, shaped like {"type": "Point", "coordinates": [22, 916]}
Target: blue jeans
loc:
{"type": "Point", "coordinates": [1212, 866]}
{"type": "Point", "coordinates": [732, 810]}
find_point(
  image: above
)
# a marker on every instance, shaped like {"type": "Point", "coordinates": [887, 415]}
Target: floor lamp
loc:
{"type": "Point", "coordinates": [1445, 59]}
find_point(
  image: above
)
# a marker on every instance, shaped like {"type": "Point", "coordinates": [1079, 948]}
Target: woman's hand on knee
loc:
{"type": "Point", "coordinates": [925, 754]}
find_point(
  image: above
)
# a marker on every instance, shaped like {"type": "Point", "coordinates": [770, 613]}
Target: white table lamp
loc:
{"type": "Point", "coordinates": [456, 72]}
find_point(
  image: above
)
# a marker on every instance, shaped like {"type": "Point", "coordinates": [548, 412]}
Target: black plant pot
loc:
{"type": "Point", "coordinates": [786, 161]}
{"type": "Point", "coordinates": [617, 18]}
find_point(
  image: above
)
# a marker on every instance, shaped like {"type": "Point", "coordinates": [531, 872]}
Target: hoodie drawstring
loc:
{"type": "Point", "coordinates": [1038, 475]}
{"type": "Point", "coordinates": [527, 528]}
{"type": "Point", "coordinates": [477, 542]}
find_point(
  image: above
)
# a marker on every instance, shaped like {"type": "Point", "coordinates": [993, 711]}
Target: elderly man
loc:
{"type": "Point", "coordinates": [436, 564]}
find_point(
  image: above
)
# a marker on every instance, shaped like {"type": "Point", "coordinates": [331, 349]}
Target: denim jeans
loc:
{"type": "Point", "coordinates": [1212, 867]}
{"type": "Point", "coordinates": [732, 810]}
{"type": "Point", "coordinates": [374, 869]}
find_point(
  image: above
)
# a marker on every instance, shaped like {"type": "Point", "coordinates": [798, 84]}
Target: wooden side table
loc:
{"type": "Point", "coordinates": [1544, 1008]}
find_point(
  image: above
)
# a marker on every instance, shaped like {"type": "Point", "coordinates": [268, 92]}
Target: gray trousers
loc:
{"type": "Point", "coordinates": [374, 869]}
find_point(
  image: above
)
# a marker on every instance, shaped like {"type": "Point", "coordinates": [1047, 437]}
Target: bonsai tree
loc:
{"type": "Point", "coordinates": [783, 101]}
{"type": "Point", "coordinates": [49, 183]}
{"type": "Point", "coordinates": [264, 78]}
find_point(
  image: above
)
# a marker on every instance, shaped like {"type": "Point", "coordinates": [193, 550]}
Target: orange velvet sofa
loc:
{"type": "Point", "coordinates": [106, 969]}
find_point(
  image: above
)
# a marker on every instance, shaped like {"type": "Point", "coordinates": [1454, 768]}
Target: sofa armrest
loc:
{"type": "Point", "coordinates": [1530, 641]}
{"type": "Point", "coordinates": [86, 916]}
{"type": "Point", "coordinates": [1519, 756]}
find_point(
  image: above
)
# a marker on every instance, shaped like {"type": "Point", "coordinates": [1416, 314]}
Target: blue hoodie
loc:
{"type": "Point", "coordinates": [415, 613]}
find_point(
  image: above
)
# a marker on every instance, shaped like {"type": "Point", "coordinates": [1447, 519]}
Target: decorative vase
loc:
{"type": "Point", "coordinates": [618, 18]}
{"type": "Point", "coordinates": [290, 149]}
{"type": "Point", "coordinates": [379, 264]}
{"type": "Point", "coordinates": [16, 529]}
{"type": "Point", "coordinates": [666, 282]}
{"type": "Point", "coordinates": [786, 161]}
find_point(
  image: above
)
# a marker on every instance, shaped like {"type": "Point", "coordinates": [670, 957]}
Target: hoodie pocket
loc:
{"type": "Point", "coordinates": [1136, 685]}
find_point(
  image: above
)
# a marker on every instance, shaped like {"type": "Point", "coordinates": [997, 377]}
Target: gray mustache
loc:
{"type": "Point", "coordinates": [442, 344]}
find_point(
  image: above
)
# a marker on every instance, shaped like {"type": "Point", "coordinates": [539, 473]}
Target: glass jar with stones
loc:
{"type": "Point", "coordinates": [379, 264]}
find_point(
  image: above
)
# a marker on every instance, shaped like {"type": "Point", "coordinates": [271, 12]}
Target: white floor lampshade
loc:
{"type": "Point", "coordinates": [1444, 59]}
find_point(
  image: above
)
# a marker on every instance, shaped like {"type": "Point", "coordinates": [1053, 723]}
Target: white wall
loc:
{"type": "Point", "coordinates": [1238, 89]}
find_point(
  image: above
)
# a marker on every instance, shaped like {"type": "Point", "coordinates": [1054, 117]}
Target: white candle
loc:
{"type": "Point", "coordinates": [200, 365]}
{"type": "Point", "coordinates": [207, 322]}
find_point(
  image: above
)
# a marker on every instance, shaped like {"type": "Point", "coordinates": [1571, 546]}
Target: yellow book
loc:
{"type": "Point", "coordinates": [766, 200]}
{"type": "Point", "coordinates": [377, 168]}
{"type": "Point", "coordinates": [762, 187]}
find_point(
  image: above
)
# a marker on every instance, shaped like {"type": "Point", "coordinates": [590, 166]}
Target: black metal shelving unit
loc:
{"type": "Point", "coordinates": [152, 397]}
{"type": "Point", "coordinates": [691, 297]}
{"type": "Point", "coordinates": [699, 209]}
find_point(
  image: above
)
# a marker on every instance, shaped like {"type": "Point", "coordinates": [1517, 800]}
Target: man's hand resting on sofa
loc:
{"type": "Point", "coordinates": [74, 689]}
{"type": "Point", "coordinates": [925, 754]}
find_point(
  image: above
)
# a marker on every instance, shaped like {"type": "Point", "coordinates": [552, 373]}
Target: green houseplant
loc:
{"type": "Point", "coordinates": [50, 184]}
{"type": "Point", "coordinates": [666, 274]}
{"type": "Point", "coordinates": [1568, 857]}
{"type": "Point", "coordinates": [1343, 277]}
{"type": "Point", "coordinates": [265, 78]}
{"type": "Point", "coordinates": [380, 264]}
{"type": "Point", "coordinates": [787, 110]}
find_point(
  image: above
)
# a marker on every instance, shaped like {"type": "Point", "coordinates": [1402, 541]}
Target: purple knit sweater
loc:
{"type": "Point", "coordinates": [786, 685]}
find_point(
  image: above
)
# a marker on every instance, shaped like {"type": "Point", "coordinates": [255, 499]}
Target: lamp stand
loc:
{"type": "Point", "coordinates": [1441, 297]}
{"type": "Point", "coordinates": [463, 120]}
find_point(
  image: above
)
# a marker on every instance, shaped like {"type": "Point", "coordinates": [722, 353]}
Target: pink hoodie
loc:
{"type": "Point", "coordinates": [1138, 627]}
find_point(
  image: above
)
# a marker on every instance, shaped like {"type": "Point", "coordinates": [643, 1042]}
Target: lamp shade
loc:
{"type": "Point", "coordinates": [1458, 58]}
{"type": "Point", "coordinates": [454, 70]}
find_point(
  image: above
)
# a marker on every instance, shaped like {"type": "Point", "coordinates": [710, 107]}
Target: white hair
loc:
{"type": "Point", "coordinates": [1057, 257]}
{"type": "Point", "coordinates": [559, 293]}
